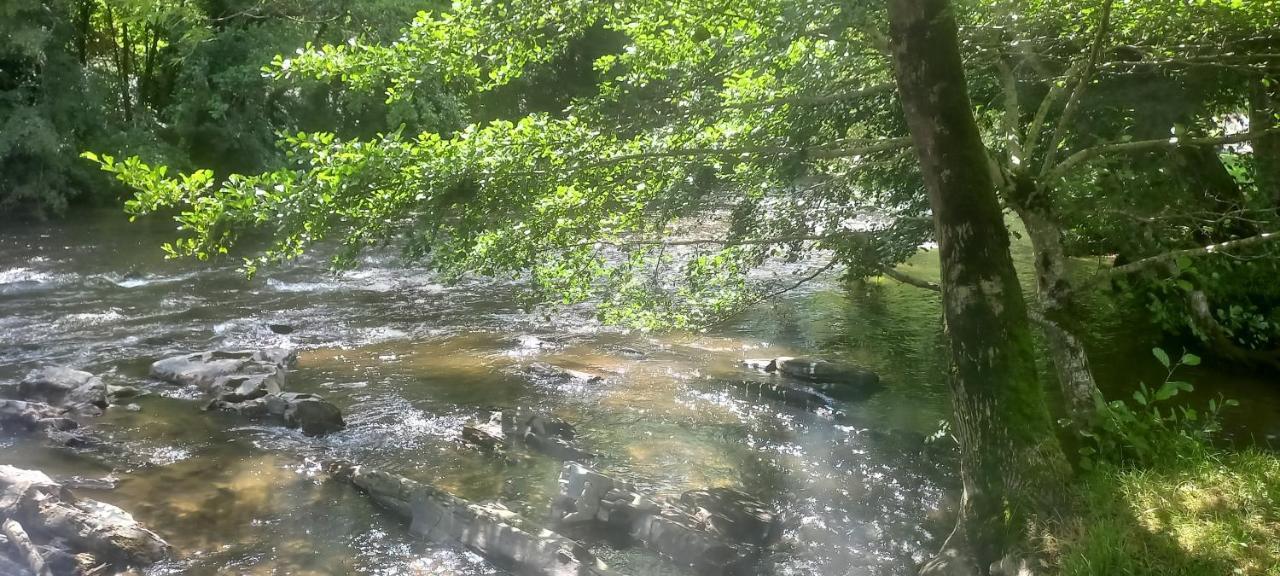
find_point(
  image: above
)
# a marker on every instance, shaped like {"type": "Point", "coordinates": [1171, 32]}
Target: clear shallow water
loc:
{"type": "Point", "coordinates": [409, 360]}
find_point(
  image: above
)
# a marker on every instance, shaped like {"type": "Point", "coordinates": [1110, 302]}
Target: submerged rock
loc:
{"type": "Point", "coordinates": [714, 532]}
{"type": "Point", "coordinates": [733, 515]}
{"type": "Point", "coordinates": [830, 377]}
{"type": "Point", "coordinates": [798, 396]}
{"type": "Point", "coordinates": [55, 519]}
{"type": "Point", "coordinates": [61, 387]}
{"type": "Point", "coordinates": [489, 529]}
{"type": "Point", "coordinates": [552, 372]}
{"type": "Point", "coordinates": [503, 429]}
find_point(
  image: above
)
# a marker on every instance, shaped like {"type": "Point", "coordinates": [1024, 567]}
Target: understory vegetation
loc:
{"type": "Point", "coordinates": [1208, 512]}
{"type": "Point", "coordinates": [1160, 495]}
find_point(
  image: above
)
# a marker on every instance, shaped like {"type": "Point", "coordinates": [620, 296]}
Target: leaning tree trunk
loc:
{"type": "Point", "coordinates": [1012, 466]}
{"type": "Point", "coordinates": [1059, 315]}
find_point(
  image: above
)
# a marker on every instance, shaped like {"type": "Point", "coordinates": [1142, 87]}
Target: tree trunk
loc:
{"type": "Point", "coordinates": [1264, 105]}
{"type": "Point", "coordinates": [1059, 314]}
{"type": "Point", "coordinates": [146, 87]}
{"type": "Point", "coordinates": [85, 25]}
{"type": "Point", "coordinates": [126, 71]}
{"type": "Point", "coordinates": [118, 54]}
{"type": "Point", "coordinates": [1012, 466]}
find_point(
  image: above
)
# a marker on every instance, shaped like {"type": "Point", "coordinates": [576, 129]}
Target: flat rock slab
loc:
{"type": "Point", "coordinates": [487, 528]}
{"type": "Point", "coordinates": [55, 517]}
{"type": "Point", "coordinates": [553, 372]}
{"type": "Point", "coordinates": [225, 371]}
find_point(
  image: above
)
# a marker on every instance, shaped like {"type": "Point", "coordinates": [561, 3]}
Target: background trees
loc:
{"type": "Point", "coordinates": [180, 83]}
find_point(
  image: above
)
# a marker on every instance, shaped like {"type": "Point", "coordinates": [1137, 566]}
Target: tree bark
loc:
{"type": "Point", "coordinates": [1012, 465]}
{"type": "Point", "coordinates": [1076, 384]}
{"type": "Point", "coordinates": [1264, 105]}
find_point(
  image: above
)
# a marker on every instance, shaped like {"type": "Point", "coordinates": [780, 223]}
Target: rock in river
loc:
{"type": "Point", "coordinates": [499, 430]}
{"type": "Point", "coordinates": [241, 371]}
{"type": "Point", "coordinates": [61, 387]}
{"type": "Point", "coordinates": [54, 526]}
{"type": "Point", "coordinates": [312, 414]}
{"type": "Point", "coordinates": [830, 377]}
{"type": "Point", "coordinates": [251, 382]}
{"type": "Point", "coordinates": [489, 529]}
{"type": "Point", "coordinates": [715, 532]}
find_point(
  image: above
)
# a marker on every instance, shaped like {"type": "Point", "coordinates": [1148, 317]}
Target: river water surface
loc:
{"type": "Point", "coordinates": [409, 360]}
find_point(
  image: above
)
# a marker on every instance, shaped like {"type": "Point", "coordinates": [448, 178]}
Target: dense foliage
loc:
{"type": "Point", "coordinates": [776, 126]}
{"type": "Point", "coordinates": [180, 84]}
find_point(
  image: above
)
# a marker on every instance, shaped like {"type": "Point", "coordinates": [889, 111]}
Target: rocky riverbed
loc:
{"type": "Point", "coordinates": [459, 388]}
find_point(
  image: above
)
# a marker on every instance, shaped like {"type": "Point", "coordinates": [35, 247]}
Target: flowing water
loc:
{"type": "Point", "coordinates": [409, 360]}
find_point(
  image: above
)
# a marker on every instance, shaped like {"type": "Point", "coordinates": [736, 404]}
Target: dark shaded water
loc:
{"type": "Point", "coordinates": [410, 360]}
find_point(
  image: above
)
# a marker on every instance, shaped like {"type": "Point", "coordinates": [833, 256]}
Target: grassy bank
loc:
{"type": "Point", "coordinates": [1208, 513]}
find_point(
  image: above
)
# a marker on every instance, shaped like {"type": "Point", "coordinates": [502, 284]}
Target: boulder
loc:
{"type": "Point", "coordinates": [312, 414]}
{"type": "Point", "coordinates": [309, 412]}
{"type": "Point", "coordinates": [726, 539]}
{"type": "Point", "coordinates": [218, 370]}
{"type": "Point", "coordinates": [251, 383]}
{"type": "Point", "coordinates": [489, 529]}
{"type": "Point", "coordinates": [21, 416]}
{"type": "Point", "coordinates": [62, 387]}
{"type": "Point", "coordinates": [54, 517]}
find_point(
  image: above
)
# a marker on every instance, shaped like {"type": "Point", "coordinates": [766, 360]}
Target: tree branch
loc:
{"type": "Point", "coordinates": [709, 241]}
{"type": "Point", "coordinates": [872, 147]}
{"type": "Point", "coordinates": [911, 280]}
{"type": "Point", "coordinates": [1152, 261]}
{"type": "Point", "coordinates": [775, 293]}
{"type": "Point", "coordinates": [1073, 103]}
{"type": "Point", "coordinates": [812, 100]}
{"type": "Point", "coordinates": [1042, 114]}
{"type": "Point", "coordinates": [1012, 110]}
{"type": "Point", "coordinates": [1143, 145]}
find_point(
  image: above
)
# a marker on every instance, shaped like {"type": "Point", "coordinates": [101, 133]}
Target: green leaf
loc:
{"type": "Point", "coordinates": [1162, 356]}
{"type": "Point", "coordinates": [1190, 359]}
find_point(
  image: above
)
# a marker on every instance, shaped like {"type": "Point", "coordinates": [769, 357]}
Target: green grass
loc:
{"type": "Point", "coordinates": [1211, 514]}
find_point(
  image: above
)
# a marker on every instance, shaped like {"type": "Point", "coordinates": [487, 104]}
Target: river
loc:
{"type": "Point", "coordinates": [409, 360]}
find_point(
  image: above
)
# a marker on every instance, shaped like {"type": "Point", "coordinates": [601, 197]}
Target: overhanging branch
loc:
{"type": "Point", "coordinates": [871, 147]}
{"type": "Point", "coordinates": [911, 280]}
{"type": "Point", "coordinates": [1144, 145]}
{"type": "Point", "coordinates": [1153, 261]}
